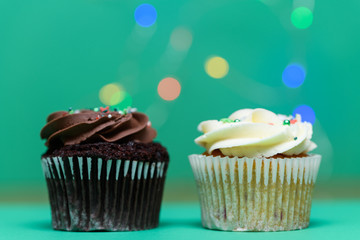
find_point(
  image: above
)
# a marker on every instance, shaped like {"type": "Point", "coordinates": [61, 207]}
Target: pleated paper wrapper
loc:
{"type": "Point", "coordinates": [255, 194]}
{"type": "Point", "coordinates": [90, 194]}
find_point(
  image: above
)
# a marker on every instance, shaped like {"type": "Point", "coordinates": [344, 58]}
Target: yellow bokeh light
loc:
{"type": "Point", "coordinates": [217, 67]}
{"type": "Point", "coordinates": [111, 94]}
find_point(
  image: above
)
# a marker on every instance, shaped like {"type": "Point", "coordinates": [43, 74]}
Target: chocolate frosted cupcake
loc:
{"type": "Point", "coordinates": [256, 173]}
{"type": "Point", "coordinates": [103, 170]}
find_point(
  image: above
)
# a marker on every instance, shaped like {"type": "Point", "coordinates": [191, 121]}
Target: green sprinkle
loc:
{"type": "Point", "coordinates": [96, 109]}
{"type": "Point", "coordinates": [237, 120]}
{"type": "Point", "coordinates": [295, 138]}
{"type": "Point", "coordinates": [286, 122]}
{"type": "Point", "coordinates": [226, 120]}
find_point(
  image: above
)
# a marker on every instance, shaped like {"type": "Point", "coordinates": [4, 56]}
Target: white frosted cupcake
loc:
{"type": "Point", "coordinates": [256, 173]}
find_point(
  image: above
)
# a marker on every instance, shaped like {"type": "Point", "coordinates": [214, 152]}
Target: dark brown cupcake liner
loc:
{"type": "Point", "coordinates": [91, 194]}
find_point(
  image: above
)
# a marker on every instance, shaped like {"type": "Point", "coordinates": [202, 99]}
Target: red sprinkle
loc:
{"type": "Point", "coordinates": [292, 121]}
{"type": "Point", "coordinates": [104, 109]}
{"type": "Point", "coordinates": [270, 123]}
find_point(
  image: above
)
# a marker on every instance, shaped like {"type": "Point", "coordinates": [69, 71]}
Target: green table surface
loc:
{"type": "Point", "coordinates": [329, 220]}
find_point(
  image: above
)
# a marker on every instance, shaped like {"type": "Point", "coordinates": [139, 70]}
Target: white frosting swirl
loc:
{"type": "Point", "coordinates": [256, 133]}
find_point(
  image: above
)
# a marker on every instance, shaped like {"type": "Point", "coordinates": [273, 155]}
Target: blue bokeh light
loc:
{"type": "Point", "coordinates": [145, 15]}
{"type": "Point", "coordinates": [293, 75]}
{"type": "Point", "coordinates": [306, 112]}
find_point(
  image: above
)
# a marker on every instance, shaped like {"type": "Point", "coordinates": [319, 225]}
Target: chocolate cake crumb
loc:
{"type": "Point", "coordinates": [127, 151]}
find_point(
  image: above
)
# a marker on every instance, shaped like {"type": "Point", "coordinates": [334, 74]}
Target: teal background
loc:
{"type": "Point", "coordinates": [57, 54]}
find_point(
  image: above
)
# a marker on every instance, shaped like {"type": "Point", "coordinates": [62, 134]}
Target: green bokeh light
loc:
{"type": "Point", "coordinates": [125, 102]}
{"type": "Point", "coordinates": [302, 17]}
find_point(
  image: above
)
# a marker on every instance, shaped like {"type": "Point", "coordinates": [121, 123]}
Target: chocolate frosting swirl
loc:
{"type": "Point", "coordinates": [88, 126]}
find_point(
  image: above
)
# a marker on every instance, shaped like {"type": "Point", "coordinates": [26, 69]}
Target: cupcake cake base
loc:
{"type": "Point", "coordinates": [255, 194]}
{"type": "Point", "coordinates": [89, 193]}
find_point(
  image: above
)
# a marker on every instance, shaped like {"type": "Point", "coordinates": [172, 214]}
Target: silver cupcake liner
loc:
{"type": "Point", "coordinates": [255, 194]}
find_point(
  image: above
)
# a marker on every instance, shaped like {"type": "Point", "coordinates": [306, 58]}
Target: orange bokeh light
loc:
{"type": "Point", "coordinates": [169, 89]}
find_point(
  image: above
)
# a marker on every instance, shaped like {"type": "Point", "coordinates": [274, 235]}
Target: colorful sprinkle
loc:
{"type": "Point", "coordinates": [237, 120]}
{"type": "Point", "coordinates": [128, 110]}
{"type": "Point", "coordinates": [293, 121]}
{"type": "Point", "coordinates": [109, 116]}
{"type": "Point", "coordinates": [286, 122]}
{"type": "Point", "coordinates": [96, 109]}
{"type": "Point", "coordinates": [105, 109]}
{"type": "Point", "coordinates": [71, 111]}
{"type": "Point", "coordinates": [295, 138]}
{"type": "Point", "coordinates": [226, 120]}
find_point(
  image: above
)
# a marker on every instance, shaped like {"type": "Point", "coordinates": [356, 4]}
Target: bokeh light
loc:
{"type": "Point", "coordinates": [293, 75]}
{"type": "Point", "coordinates": [216, 67]}
{"type": "Point", "coordinates": [302, 17]}
{"type": "Point", "coordinates": [169, 89]}
{"type": "Point", "coordinates": [126, 102]}
{"type": "Point", "coordinates": [306, 112]}
{"type": "Point", "coordinates": [145, 15]}
{"type": "Point", "coordinates": [111, 94]}
{"type": "Point", "coordinates": [181, 39]}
